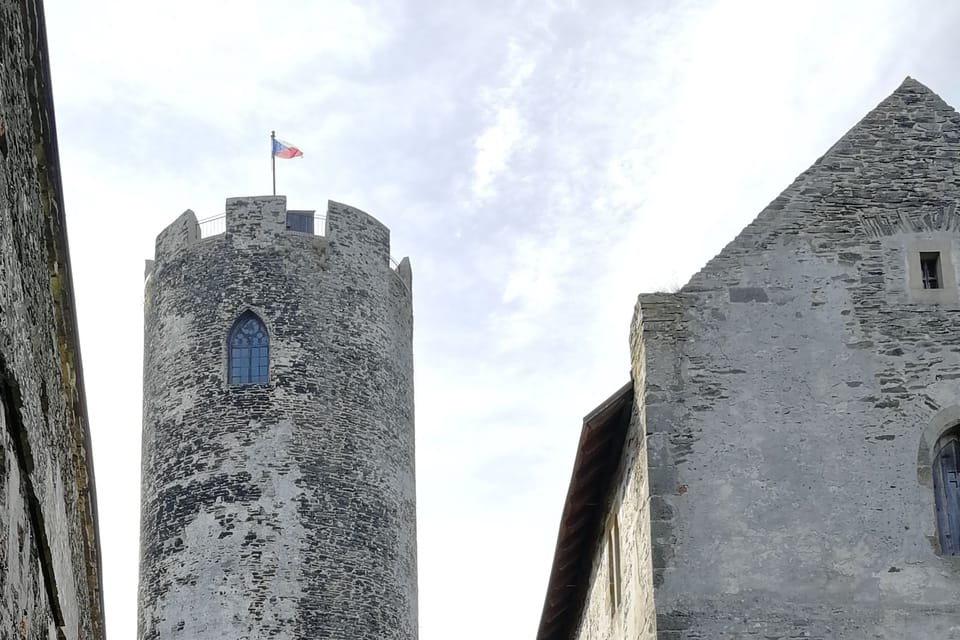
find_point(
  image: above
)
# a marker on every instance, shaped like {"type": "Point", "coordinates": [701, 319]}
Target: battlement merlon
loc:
{"type": "Point", "coordinates": [353, 230]}
{"type": "Point", "coordinates": [405, 272]}
{"type": "Point", "coordinates": [180, 234]}
{"type": "Point", "coordinates": [256, 219]}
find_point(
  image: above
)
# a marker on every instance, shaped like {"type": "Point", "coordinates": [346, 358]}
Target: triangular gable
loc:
{"type": "Point", "coordinates": [895, 171]}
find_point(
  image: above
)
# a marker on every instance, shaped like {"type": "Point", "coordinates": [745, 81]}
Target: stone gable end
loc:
{"type": "Point", "coordinates": [792, 393]}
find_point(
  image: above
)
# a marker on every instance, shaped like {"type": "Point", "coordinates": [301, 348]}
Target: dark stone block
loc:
{"type": "Point", "coordinates": [748, 294]}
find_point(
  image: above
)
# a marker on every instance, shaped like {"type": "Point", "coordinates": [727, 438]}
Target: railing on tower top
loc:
{"type": "Point", "coordinates": [215, 225]}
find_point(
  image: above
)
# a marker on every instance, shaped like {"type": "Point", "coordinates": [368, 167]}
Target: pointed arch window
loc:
{"type": "Point", "coordinates": [249, 350]}
{"type": "Point", "coordinates": [946, 486]}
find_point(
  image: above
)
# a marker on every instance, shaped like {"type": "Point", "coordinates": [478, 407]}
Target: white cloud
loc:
{"type": "Point", "coordinates": [498, 142]}
{"type": "Point", "coordinates": [494, 148]}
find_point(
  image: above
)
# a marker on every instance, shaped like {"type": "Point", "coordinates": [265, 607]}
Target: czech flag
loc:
{"type": "Point", "coordinates": [283, 149]}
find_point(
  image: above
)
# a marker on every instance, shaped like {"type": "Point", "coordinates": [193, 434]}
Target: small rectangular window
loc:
{"type": "Point", "coordinates": [930, 270]}
{"type": "Point", "coordinates": [613, 562]}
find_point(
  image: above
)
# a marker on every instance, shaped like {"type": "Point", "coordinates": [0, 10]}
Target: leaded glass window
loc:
{"type": "Point", "coordinates": [249, 351]}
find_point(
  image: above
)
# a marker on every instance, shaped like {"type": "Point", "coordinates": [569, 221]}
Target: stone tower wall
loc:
{"type": "Point", "coordinates": [794, 390]}
{"type": "Point", "coordinates": [284, 510]}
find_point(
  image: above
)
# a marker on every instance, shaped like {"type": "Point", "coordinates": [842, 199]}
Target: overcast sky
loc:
{"type": "Point", "coordinates": [541, 163]}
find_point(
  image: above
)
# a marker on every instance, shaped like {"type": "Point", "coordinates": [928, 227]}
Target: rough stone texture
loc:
{"type": "Point", "coordinates": [284, 510]}
{"type": "Point", "coordinates": [49, 556]}
{"type": "Point", "coordinates": [634, 618]}
{"type": "Point", "coordinates": [794, 390]}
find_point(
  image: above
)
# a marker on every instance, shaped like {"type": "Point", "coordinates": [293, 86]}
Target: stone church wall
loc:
{"type": "Point", "coordinates": [795, 388]}
{"type": "Point", "coordinates": [50, 584]}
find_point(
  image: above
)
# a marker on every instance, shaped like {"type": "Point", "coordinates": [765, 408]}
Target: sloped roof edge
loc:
{"type": "Point", "coordinates": [598, 455]}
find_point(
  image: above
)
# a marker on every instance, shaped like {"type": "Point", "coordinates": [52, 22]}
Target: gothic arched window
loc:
{"type": "Point", "coordinates": [946, 487]}
{"type": "Point", "coordinates": [249, 350]}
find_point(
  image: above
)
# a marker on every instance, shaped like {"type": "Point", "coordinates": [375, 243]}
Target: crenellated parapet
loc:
{"type": "Point", "coordinates": [264, 223]}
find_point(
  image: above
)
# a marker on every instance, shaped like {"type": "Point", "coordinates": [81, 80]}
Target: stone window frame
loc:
{"type": "Point", "coordinates": [225, 358]}
{"type": "Point", "coordinates": [947, 292]}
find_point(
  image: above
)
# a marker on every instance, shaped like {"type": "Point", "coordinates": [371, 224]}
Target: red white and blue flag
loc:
{"type": "Point", "coordinates": [283, 149]}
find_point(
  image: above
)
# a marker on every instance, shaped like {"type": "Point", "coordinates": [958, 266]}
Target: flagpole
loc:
{"type": "Point", "coordinates": [273, 161]}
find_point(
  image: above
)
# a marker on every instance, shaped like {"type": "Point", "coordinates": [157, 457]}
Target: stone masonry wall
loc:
{"type": "Point", "coordinates": [283, 510]}
{"type": "Point", "coordinates": [794, 390]}
{"type": "Point", "coordinates": [634, 617]}
{"type": "Point", "coordinates": [50, 585]}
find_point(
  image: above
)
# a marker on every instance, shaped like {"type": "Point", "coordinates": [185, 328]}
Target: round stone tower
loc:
{"type": "Point", "coordinates": [278, 492]}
